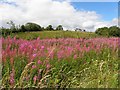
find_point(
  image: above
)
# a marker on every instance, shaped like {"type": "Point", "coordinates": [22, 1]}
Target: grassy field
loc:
{"type": "Point", "coordinates": [59, 59]}
{"type": "Point", "coordinates": [54, 34]}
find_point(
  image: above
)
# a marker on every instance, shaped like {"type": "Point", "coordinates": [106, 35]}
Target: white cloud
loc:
{"type": "Point", "coordinates": [114, 22]}
{"type": "Point", "coordinates": [53, 12]}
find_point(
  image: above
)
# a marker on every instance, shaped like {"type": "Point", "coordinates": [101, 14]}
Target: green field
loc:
{"type": "Point", "coordinates": [54, 34]}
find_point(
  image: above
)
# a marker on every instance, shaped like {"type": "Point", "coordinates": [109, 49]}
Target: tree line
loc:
{"type": "Point", "coordinates": [109, 31]}
{"type": "Point", "coordinates": [28, 27]}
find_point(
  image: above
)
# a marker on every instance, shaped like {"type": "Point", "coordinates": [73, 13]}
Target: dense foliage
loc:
{"type": "Point", "coordinates": [111, 31]}
{"type": "Point", "coordinates": [31, 27]}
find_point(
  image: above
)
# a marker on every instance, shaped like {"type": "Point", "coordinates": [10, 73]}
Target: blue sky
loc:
{"type": "Point", "coordinates": [108, 10]}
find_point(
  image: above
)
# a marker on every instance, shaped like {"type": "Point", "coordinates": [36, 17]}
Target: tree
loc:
{"type": "Point", "coordinates": [49, 28]}
{"type": "Point", "coordinates": [102, 31]}
{"type": "Point", "coordinates": [12, 26]}
{"type": "Point", "coordinates": [84, 30]}
{"type": "Point", "coordinates": [114, 31]}
{"type": "Point", "coordinates": [43, 28]}
{"type": "Point", "coordinates": [78, 29]}
{"type": "Point", "coordinates": [111, 31]}
{"type": "Point", "coordinates": [59, 27]}
{"type": "Point", "coordinates": [32, 27]}
{"type": "Point", "coordinates": [22, 28]}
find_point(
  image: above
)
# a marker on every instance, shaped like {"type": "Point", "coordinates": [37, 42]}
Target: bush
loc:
{"type": "Point", "coordinates": [59, 27]}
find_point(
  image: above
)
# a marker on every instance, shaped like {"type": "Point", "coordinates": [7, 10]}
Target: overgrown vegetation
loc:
{"type": "Point", "coordinates": [60, 63]}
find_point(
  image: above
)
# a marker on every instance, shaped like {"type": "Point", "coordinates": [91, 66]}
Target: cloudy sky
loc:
{"type": "Point", "coordinates": [69, 13]}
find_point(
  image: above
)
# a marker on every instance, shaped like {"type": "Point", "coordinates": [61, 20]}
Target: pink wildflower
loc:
{"type": "Point", "coordinates": [34, 55]}
{"type": "Point", "coordinates": [12, 81]}
{"type": "Point", "coordinates": [35, 79]}
{"type": "Point", "coordinates": [48, 66]}
{"type": "Point", "coordinates": [42, 47]}
{"type": "Point", "coordinates": [33, 66]}
{"type": "Point", "coordinates": [75, 56]}
{"type": "Point", "coordinates": [39, 62]}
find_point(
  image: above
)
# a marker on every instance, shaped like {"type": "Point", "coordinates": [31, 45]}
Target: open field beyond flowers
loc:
{"type": "Point", "coordinates": [53, 34]}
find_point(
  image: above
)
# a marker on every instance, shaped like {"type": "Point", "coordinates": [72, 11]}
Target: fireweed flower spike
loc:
{"type": "Point", "coordinates": [42, 47]}
{"type": "Point", "coordinates": [34, 66]}
{"type": "Point", "coordinates": [12, 80]}
{"type": "Point", "coordinates": [39, 62]}
{"type": "Point", "coordinates": [35, 79]}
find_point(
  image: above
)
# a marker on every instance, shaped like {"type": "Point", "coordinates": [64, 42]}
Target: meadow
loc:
{"type": "Point", "coordinates": [59, 60]}
{"type": "Point", "coordinates": [53, 34]}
